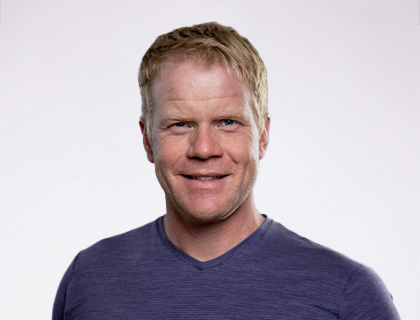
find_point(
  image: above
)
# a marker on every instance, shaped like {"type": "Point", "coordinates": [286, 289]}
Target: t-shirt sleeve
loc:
{"type": "Point", "coordinates": [366, 297]}
{"type": "Point", "coordinates": [60, 298]}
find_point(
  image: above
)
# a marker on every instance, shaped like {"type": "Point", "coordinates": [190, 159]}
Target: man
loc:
{"type": "Point", "coordinates": [205, 126]}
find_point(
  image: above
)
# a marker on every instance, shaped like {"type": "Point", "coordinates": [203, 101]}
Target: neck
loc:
{"type": "Point", "coordinates": [205, 241]}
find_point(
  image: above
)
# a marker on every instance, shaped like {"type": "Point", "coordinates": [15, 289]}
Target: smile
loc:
{"type": "Point", "coordinates": [201, 178]}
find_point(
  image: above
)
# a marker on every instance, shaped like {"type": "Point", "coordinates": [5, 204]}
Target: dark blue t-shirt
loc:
{"type": "Point", "coordinates": [273, 274]}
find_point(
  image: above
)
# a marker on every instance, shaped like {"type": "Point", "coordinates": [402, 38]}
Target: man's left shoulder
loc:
{"type": "Point", "coordinates": [326, 277]}
{"type": "Point", "coordinates": [285, 245]}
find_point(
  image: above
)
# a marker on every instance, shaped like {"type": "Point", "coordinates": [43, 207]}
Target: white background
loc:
{"type": "Point", "coordinates": [342, 164]}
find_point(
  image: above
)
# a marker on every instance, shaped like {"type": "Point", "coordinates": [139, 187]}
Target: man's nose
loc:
{"type": "Point", "coordinates": [204, 144]}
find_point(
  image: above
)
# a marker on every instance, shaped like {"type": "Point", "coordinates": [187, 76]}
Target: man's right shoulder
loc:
{"type": "Point", "coordinates": [108, 252]}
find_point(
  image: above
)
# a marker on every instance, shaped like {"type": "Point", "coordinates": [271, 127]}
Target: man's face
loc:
{"type": "Point", "coordinates": [205, 143]}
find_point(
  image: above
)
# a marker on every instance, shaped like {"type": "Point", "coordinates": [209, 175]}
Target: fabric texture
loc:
{"type": "Point", "coordinates": [273, 274]}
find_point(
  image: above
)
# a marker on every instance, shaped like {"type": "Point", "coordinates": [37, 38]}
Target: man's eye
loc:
{"type": "Point", "coordinates": [228, 122]}
{"type": "Point", "coordinates": [179, 124]}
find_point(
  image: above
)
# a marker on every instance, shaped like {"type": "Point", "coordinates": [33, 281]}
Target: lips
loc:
{"type": "Point", "coordinates": [204, 178]}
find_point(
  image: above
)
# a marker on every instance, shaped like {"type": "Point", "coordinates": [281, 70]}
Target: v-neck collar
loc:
{"type": "Point", "coordinates": [211, 263]}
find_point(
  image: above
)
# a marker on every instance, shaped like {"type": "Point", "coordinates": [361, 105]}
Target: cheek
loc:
{"type": "Point", "coordinates": [243, 149]}
{"type": "Point", "coordinates": [168, 151]}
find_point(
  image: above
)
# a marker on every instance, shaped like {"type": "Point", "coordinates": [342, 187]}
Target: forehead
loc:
{"type": "Point", "coordinates": [195, 81]}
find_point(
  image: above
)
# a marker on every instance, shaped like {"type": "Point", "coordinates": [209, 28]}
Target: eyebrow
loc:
{"type": "Point", "coordinates": [174, 118]}
{"type": "Point", "coordinates": [185, 118]}
{"type": "Point", "coordinates": [195, 99]}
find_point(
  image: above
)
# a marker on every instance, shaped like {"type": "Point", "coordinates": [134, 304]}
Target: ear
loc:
{"type": "Point", "coordinates": [264, 137]}
{"type": "Point", "coordinates": [146, 143]}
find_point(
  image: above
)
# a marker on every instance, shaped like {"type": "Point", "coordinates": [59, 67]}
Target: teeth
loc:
{"type": "Point", "coordinates": [206, 178]}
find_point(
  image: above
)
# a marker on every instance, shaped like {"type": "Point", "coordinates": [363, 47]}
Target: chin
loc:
{"type": "Point", "coordinates": [205, 214]}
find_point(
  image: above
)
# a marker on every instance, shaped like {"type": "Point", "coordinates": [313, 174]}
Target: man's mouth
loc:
{"type": "Point", "coordinates": [202, 178]}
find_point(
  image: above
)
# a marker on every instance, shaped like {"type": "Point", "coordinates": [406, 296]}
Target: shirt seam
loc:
{"type": "Point", "coordinates": [359, 266]}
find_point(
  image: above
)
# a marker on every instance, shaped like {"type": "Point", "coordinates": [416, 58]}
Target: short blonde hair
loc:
{"type": "Point", "coordinates": [209, 43]}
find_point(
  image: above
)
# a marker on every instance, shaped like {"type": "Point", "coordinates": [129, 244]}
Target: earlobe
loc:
{"type": "Point", "coordinates": [146, 143]}
{"type": "Point", "coordinates": [264, 137]}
